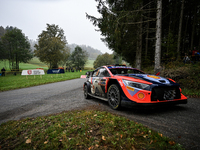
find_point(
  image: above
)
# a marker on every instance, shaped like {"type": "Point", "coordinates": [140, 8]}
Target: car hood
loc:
{"type": "Point", "coordinates": [153, 79]}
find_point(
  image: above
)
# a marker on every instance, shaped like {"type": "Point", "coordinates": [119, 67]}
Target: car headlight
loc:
{"type": "Point", "coordinates": [136, 84]}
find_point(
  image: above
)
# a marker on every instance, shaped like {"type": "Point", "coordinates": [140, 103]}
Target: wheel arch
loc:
{"type": "Point", "coordinates": [88, 85]}
{"type": "Point", "coordinates": [114, 81]}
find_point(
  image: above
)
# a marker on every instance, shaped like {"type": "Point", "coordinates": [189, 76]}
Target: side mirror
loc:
{"type": "Point", "coordinates": [88, 74]}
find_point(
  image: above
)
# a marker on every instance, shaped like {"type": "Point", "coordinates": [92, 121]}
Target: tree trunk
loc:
{"type": "Point", "coordinates": [193, 29]}
{"type": "Point", "coordinates": [147, 36]}
{"type": "Point", "coordinates": [158, 36]}
{"type": "Point", "coordinates": [185, 33]}
{"type": "Point", "coordinates": [139, 45]}
{"type": "Point", "coordinates": [169, 32]}
{"type": "Point", "coordinates": [180, 29]}
{"type": "Point", "coordinates": [139, 52]}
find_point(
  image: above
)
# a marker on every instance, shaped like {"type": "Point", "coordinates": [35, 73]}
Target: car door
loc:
{"type": "Point", "coordinates": [98, 82]}
{"type": "Point", "coordinates": [93, 81]}
{"type": "Point", "coordinates": [103, 78]}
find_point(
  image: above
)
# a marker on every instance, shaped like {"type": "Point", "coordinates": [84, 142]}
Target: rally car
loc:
{"type": "Point", "coordinates": [119, 84]}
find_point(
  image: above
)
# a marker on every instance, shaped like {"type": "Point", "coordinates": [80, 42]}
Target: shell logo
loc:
{"type": "Point", "coordinates": [151, 76]}
{"type": "Point", "coordinates": [141, 95]}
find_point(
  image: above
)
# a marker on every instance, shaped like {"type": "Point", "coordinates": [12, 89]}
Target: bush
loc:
{"type": "Point", "coordinates": [187, 76]}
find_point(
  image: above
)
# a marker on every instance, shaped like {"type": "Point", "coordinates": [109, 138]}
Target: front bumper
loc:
{"type": "Point", "coordinates": [130, 103]}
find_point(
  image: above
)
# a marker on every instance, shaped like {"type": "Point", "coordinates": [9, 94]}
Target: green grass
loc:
{"type": "Point", "coordinates": [4, 64]}
{"type": "Point", "coordinates": [10, 82]}
{"type": "Point", "coordinates": [89, 64]}
{"type": "Point", "coordinates": [83, 129]}
{"type": "Point", "coordinates": [32, 64]}
{"type": "Point", "coordinates": [37, 62]}
{"type": "Point", "coordinates": [191, 92]}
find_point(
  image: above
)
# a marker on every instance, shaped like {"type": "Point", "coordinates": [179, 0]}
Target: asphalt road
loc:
{"type": "Point", "coordinates": [180, 123]}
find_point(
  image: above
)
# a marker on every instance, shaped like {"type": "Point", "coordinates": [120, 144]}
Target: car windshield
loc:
{"type": "Point", "coordinates": [125, 71]}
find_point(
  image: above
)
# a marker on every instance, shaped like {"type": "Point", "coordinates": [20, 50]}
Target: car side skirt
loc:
{"type": "Point", "coordinates": [98, 97]}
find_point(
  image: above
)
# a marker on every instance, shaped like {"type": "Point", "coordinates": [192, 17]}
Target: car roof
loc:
{"type": "Point", "coordinates": [117, 66]}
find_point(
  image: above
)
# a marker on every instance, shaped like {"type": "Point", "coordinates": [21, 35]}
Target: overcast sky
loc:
{"type": "Point", "coordinates": [31, 16]}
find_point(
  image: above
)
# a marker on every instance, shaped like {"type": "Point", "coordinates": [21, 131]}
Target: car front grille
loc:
{"type": "Point", "coordinates": [165, 93]}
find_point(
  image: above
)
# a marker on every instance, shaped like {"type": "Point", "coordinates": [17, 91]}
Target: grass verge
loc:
{"type": "Point", "coordinates": [10, 82]}
{"type": "Point", "coordinates": [83, 129]}
{"type": "Point", "coordinates": [194, 93]}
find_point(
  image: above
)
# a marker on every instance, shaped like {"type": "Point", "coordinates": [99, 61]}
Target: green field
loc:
{"type": "Point", "coordinates": [32, 64]}
{"type": "Point", "coordinates": [35, 63]}
{"type": "Point", "coordinates": [89, 64]}
{"type": "Point", "coordinates": [10, 81]}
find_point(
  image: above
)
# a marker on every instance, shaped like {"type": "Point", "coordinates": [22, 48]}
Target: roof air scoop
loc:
{"type": "Point", "coordinates": [162, 81]}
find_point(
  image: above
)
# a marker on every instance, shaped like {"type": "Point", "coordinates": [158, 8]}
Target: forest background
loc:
{"type": "Point", "coordinates": [129, 30]}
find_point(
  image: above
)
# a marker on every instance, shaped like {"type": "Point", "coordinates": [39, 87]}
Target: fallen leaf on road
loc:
{"type": "Point", "coordinates": [28, 141]}
{"type": "Point", "coordinates": [151, 142]}
{"type": "Point", "coordinates": [97, 145]}
{"type": "Point", "coordinates": [133, 148]}
{"type": "Point", "coordinates": [103, 138]}
{"type": "Point", "coordinates": [172, 143]}
{"type": "Point", "coordinates": [121, 136]}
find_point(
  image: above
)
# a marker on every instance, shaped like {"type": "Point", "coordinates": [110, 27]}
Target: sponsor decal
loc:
{"type": "Point", "coordinates": [151, 76]}
{"type": "Point", "coordinates": [103, 83]}
{"type": "Point", "coordinates": [110, 67]}
{"type": "Point", "coordinates": [33, 72]}
{"type": "Point", "coordinates": [83, 76]}
{"type": "Point", "coordinates": [36, 72]}
{"type": "Point", "coordinates": [56, 70]}
{"type": "Point", "coordinates": [130, 88]}
{"type": "Point", "coordinates": [29, 72]}
{"type": "Point", "coordinates": [141, 95]}
{"type": "Point", "coordinates": [120, 82]}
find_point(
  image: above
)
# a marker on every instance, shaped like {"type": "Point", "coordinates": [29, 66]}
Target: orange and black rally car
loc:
{"type": "Point", "coordinates": [119, 84]}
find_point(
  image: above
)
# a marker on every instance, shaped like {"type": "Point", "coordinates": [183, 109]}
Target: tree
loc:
{"type": "Point", "coordinates": [79, 57]}
{"type": "Point", "coordinates": [51, 48]}
{"type": "Point", "coordinates": [180, 29]}
{"type": "Point", "coordinates": [2, 31]}
{"type": "Point", "coordinates": [15, 47]}
{"type": "Point", "coordinates": [188, 12]}
{"type": "Point", "coordinates": [122, 25]}
{"type": "Point", "coordinates": [158, 36]}
{"type": "Point", "coordinates": [66, 56]}
{"type": "Point", "coordinates": [128, 28]}
{"type": "Point", "coordinates": [104, 59]}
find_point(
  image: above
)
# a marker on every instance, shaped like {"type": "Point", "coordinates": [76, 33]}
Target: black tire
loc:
{"type": "Point", "coordinates": [114, 97]}
{"type": "Point", "coordinates": [86, 92]}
